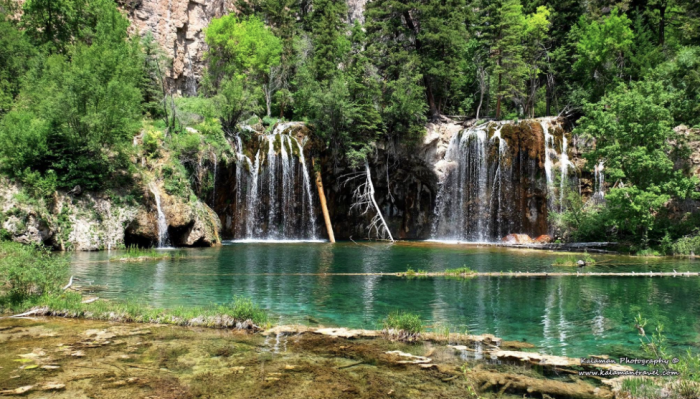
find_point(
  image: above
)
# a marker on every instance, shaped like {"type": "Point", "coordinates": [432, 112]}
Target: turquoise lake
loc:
{"type": "Point", "coordinates": [572, 316]}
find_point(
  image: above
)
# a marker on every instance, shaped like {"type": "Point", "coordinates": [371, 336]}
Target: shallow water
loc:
{"type": "Point", "coordinates": [82, 359]}
{"type": "Point", "coordinates": [573, 316]}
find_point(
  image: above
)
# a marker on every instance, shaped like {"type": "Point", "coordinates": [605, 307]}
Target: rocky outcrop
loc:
{"type": "Point", "coordinates": [177, 26]}
{"type": "Point", "coordinates": [407, 180]}
{"type": "Point", "coordinates": [97, 221]}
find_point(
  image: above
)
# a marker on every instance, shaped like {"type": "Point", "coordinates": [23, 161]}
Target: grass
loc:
{"type": "Point", "coordinates": [572, 260]}
{"type": "Point", "coordinates": [136, 254]}
{"type": "Point", "coordinates": [412, 273]}
{"type": "Point", "coordinates": [237, 314]}
{"type": "Point", "coordinates": [459, 271]}
{"type": "Point", "coordinates": [648, 252]}
{"type": "Point", "coordinates": [409, 323]}
{"type": "Point", "coordinates": [641, 388]}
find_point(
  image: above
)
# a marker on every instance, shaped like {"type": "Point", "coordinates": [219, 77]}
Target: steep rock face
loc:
{"type": "Point", "coordinates": [97, 221]}
{"type": "Point", "coordinates": [407, 180]}
{"type": "Point", "coordinates": [405, 190]}
{"type": "Point", "coordinates": [177, 26]}
{"type": "Point", "coordinates": [356, 10]}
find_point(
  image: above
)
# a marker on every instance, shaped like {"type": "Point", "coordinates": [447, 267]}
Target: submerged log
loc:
{"type": "Point", "coordinates": [322, 198]}
{"type": "Point", "coordinates": [555, 361]}
{"type": "Point", "coordinates": [521, 384]}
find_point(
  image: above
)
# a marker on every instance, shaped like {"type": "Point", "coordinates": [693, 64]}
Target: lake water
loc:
{"type": "Point", "coordinates": [572, 316]}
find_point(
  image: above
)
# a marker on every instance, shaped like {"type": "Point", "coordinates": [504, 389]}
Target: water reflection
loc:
{"type": "Point", "coordinates": [572, 316]}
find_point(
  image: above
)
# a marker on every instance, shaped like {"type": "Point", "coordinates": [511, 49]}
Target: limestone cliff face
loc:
{"type": "Point", "coordinates": [177, 25]}
{"type": "Point", "coordinates": [97, 221]}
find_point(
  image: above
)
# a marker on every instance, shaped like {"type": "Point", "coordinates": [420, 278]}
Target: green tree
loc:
{"type": "Point", "coordinates": [85, 103]}
{"type": "Point", "coordinates": [508, 50]}
{"type": "Point", "coordinates": [429, 36]}
{"type": "Point", "coordinates": [15, 55]}
{"type": "Point", "coordinates": [243, 52]}
{"type": "Point", "coordinates": [682, 75]}
{"type": "Point", "coordinates": [602, 50]}
{"type": "Point", "coordinates": [329, 37]}
{"type": "Point", "coordinates": [536, 53]}
{"type": "Point", "coordinates": [633, 129]}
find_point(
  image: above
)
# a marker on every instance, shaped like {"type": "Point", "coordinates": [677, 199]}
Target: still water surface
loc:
{"type": "Point", "coordinates": [573, 316]}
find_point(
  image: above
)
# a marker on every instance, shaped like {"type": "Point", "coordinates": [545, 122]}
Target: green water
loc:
{"type": "Point", "coordinates": [565, 316]}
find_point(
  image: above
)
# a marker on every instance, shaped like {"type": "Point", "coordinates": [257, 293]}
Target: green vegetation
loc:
{"type": "Point", "coordinates": [689, 245]}
{"type": "Point", "coordinates": [572, 260]}
{"type": "Point", "coordinates": [27, 271]}
{"type": "Point", "coordinates": [76, 91]}
{"type": "Point", "coordinates": [404, 323]}
{"type": "Point", "coordinates": [464, 270]}
{"type": "Point", "coordinates": [136, 254]}
{"type": "Point", "coordinates": [70, 304]}
{"type": "Point", "coordinates": [32, 278]}
{"type": "Point", "coordinates": [685, 385]}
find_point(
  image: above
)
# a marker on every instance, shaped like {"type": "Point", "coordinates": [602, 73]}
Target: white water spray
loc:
{"type": "Point", "coordinates": [162, 221]}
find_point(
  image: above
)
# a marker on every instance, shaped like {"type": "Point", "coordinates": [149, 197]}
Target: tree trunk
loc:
{"type": "Point", "coordinates": [374, 202]}
{"type": "Point", "coordinates": [498, 98]}
{"type": "Point", "coordinates": [482, 83]}
{"type": "Point", "coordinates": [662, 23]}
{"type": "Point", "coordinates": [322, 197]}
{"type": "Point", "coordinates": [268, 98]}
{"type": "Point", "coordinates": [548, 98]}
{"type": "Point", "coordinates": [431, 99]}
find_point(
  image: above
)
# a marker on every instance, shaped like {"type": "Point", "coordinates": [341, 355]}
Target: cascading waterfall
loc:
{"type": "Point", "coordinates": [162, 221]}
{"type": "Point", "coordinates": [549, 153]}
{"type": "Point", "coordinates": [599, 187]}
{"type": "Point", "coordinates": [273, 198]}
{"type": "Point", "coordinates": [564, 163]}
{"type": "Point", "coordinates": [463, 197]}
{"type": "Point", "coordinates": [500, 180]}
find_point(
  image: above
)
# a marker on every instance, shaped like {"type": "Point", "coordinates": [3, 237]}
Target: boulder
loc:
{"type": "Point", "coordinates": [544, 239]}
{"type": "Point", "coordinates": [517, 239]}
{"type": "Point", "coordinates": [142, 230]}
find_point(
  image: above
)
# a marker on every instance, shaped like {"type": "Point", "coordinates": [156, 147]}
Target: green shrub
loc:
{"type": "Point", "coordinates": [686, 245]}
{"type": "Point", "coordinates": [404, 321]}
{"type": "Point", "coordinates": [152, 141]}
{"type": "Point", "coordinates": [37, 185]}
{"type": "Point", "coordinates": [29, 270]}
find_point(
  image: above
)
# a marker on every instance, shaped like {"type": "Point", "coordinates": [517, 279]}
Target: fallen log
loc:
{"type": "Point", "coordinates": [322, 199]}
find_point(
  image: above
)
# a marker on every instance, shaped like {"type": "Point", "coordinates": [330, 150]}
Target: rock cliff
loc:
{"type": "Point", "coordinates": [177, 26]}
{"type": "Point", "coordinates": [98, 221]}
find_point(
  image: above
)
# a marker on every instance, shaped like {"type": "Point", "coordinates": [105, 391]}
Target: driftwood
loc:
{"type": "Point", "coordinates": [506, 382]}
{"type": "Point", "coordinates": [322, 198]}
{"type": "Point", "coordinates": [69, 283]}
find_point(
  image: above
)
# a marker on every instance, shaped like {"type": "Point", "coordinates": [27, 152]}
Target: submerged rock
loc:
{"type": "Point", "coordinates": [544, 239]}
{"type": "Point", "coordinates": [517, 239]}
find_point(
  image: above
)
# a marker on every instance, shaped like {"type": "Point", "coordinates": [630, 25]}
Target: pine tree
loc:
{"type": "Point", "coordinates": [508, 51]}
{"type": "Point", "coordinates": [329, 35]}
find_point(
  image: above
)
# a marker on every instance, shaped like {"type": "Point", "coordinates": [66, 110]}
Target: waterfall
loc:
{"type": "Point", "coordinates": [273, 196]}
{"type": "Point", "coordinates": [463, 197]}
{"type": "Point", "coordinates": [549, 152]}
{"type": "Point", "coordinates": [162, 221]}
{"type": "Point", "coordinates": [216, 165]}
{"type": "Point", "coordinates": [499, 179]}
{"type": "Point", "coordinates": [599, 186]}
{"type": "Point", "coordinates": [564, 163]}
